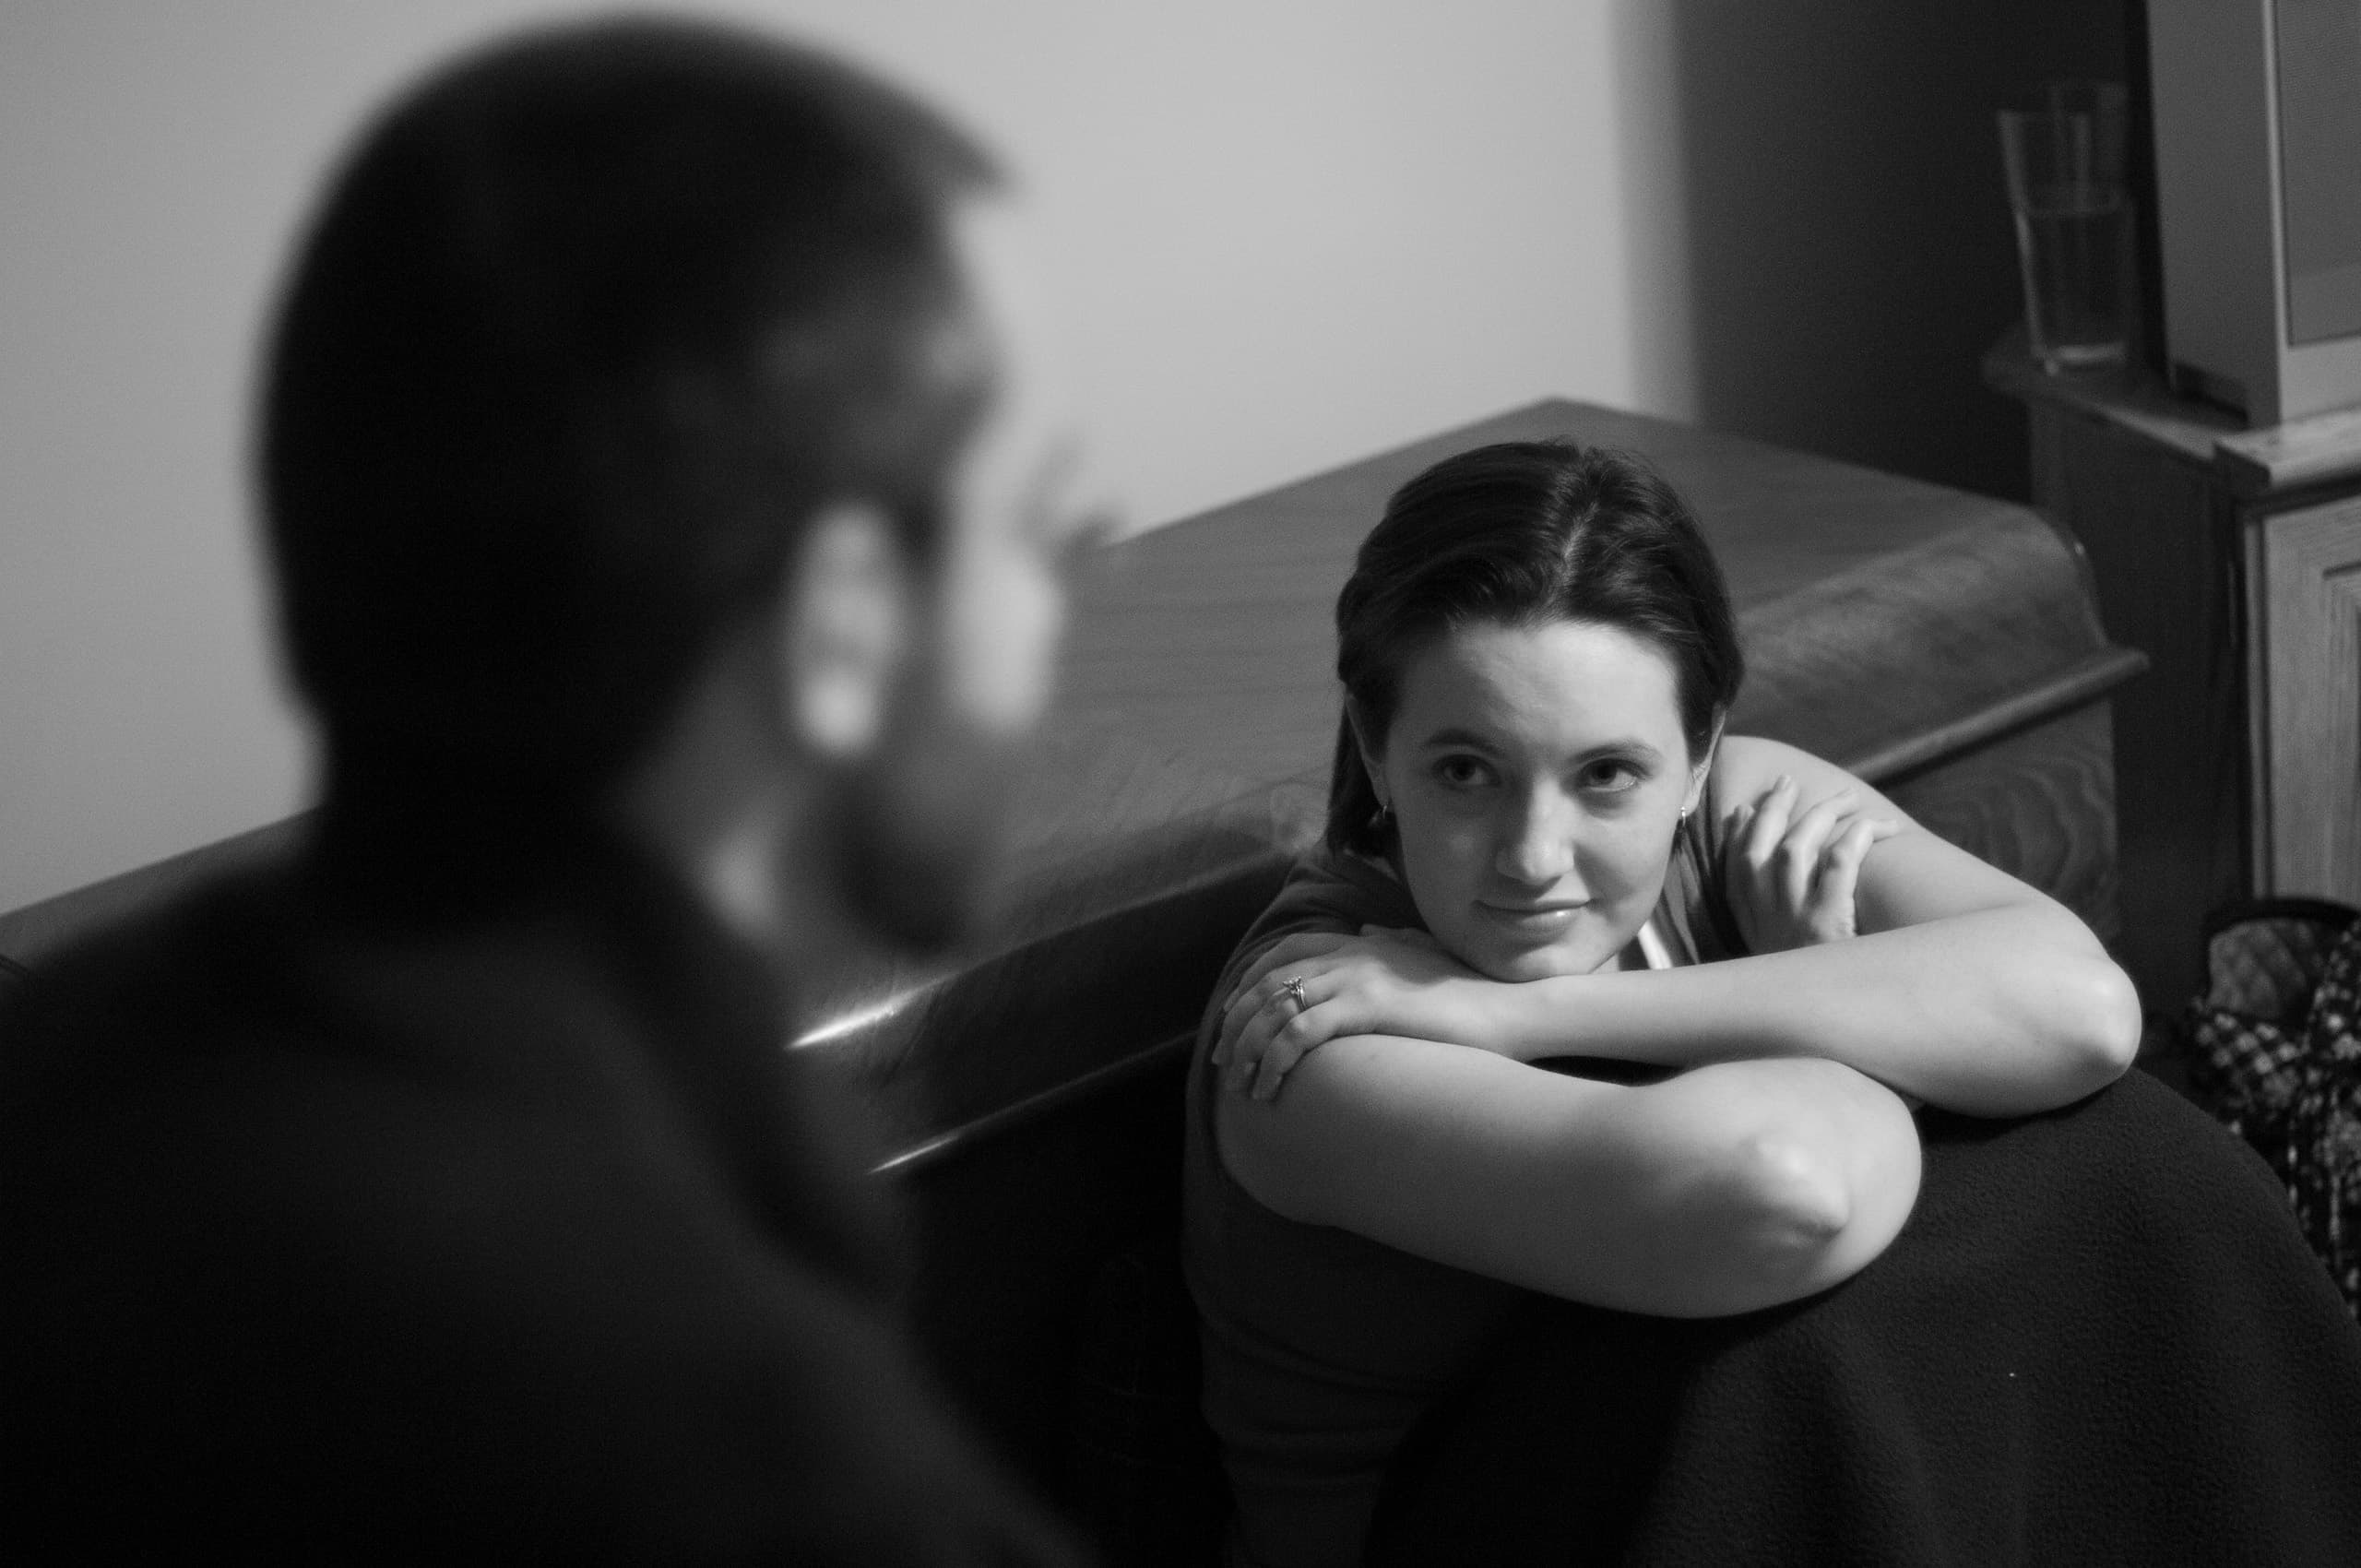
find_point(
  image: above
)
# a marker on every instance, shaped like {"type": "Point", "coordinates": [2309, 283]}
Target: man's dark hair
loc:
{"type": "Point", "coordinates": [588, 327]}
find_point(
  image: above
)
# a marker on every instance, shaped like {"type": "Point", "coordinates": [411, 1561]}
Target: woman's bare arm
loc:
{"type": "Point", "coordinates": [1722, 1190]}
{"type": "Point", "coordinates": [1965, 988]}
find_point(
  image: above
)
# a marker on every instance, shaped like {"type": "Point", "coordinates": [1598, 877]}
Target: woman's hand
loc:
{"type": "Point", "coordinates": [1316, 986]}
{"type": "Point", "coordinates": [1792, 874]}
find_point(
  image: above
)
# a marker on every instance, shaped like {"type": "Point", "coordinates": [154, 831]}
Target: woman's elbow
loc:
{"type": "Point", "coordinates": [2096, 1025]}
{"type": "Point", "coordinates": [2117, 1019]}
{"type": "Point", "coordinates": [1798, 1197]}
{"type": "Point", "coordinates": [1820, 1212]}
{"type": "Point", "coordinates": [1811, 1204]}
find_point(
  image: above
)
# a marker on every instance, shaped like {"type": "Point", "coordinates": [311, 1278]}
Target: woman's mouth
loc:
{"type": "Point", "coordinates": [1537, 922]}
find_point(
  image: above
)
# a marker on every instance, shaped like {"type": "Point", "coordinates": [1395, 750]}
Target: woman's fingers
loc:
{"type": "Point", "coordinates": [1767, 822]}
{"type": "Point", "coordinates": [1799, 855]}
{"type": "Point", "coordinates": [1287, 950]}
{"type": "Point", "coordinates": [1279, 1058]}
{"type": "Point", "coordinates": [1275, 1041]}
{"type": "Point", "coordinates": [1794, 870]}
{"type": "Point", "coordinates": [1252, 1042]}
{"type": "Point", "coordinates": [1290, 1044]}
{"type": "Point", "coordinates": [1840, 867]}
{"type": "Point", "coordinates": [1285, 956]}
{"type": "Point", "coordinates": [1267, 977]}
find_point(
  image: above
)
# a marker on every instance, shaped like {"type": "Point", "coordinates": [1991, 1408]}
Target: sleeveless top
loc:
{"type": "Point", "coordinates": [1322, 1348]}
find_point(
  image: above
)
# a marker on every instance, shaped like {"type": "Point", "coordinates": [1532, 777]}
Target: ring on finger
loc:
{"type": "Point", "coordinates": [1292, 989]}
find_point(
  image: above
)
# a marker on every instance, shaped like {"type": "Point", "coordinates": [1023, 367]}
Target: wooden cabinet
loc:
{"type": "Point", "coordinates": [2233, 558]}
{"type": "Point", "coordinates": [2304, 602]}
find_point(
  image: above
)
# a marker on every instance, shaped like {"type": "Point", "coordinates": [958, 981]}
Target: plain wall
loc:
{"type": "Point", "coordinates": [1285, 233]}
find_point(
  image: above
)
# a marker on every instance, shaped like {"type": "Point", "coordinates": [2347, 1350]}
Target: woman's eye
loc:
{"type": "Point", "coordinates": [1611, 775]}
{"type": "Point", "coordinates": [1462, 772]}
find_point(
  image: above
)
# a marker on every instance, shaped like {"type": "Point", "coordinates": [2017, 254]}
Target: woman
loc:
{"type": "Point", "coordinates": [1542, 845]}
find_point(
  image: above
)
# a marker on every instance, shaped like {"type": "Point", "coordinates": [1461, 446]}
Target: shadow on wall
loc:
{"type": "Point", "coordinates": [1848, 242]}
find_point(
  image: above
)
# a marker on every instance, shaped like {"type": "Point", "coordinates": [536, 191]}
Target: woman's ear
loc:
{"type": "Point", "coordinates": [844, 632]}
{"type": "Point", "coordinates": [1371, 756]}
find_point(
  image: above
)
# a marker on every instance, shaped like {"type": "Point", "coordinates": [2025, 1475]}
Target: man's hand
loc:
{"type": "Point", "coordinates": [1316, 986]}
{"type": "Point", "coordinates": [1792, 874]}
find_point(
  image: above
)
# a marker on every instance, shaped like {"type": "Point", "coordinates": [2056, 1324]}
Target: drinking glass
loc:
{"type": "Point", "coordinates": [2064, 162]}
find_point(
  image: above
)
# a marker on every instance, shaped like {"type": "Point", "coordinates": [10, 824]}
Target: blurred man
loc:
{"type": "Point", "coordinates": [664, 493]}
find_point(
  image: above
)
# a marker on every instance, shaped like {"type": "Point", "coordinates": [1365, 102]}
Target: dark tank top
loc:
{"type": "Point", "coordinates": [1322, 1347]}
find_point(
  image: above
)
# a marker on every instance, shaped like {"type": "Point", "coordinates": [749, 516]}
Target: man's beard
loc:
{"type": "Point", "coordinates": [915, 832]}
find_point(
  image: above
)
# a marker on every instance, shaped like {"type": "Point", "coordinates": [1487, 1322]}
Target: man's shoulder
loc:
{"type": "Point", "coordinates": [117, 992]}
{"type": "Point", "coordinates": [336, 1211]}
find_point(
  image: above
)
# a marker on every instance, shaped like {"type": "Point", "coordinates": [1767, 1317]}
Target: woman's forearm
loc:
{"type": "Point", "coordinates": [1737, 1186]}
{"type": "Point", "coordinates": [2001, 1012]}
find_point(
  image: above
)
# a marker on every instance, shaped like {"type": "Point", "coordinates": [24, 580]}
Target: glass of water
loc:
{"type": "Point", "coordinates": [2064, 162]}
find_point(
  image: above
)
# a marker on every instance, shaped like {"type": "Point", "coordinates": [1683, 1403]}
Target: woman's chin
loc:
{"type": "Point", "coordinates": [1514, 965]}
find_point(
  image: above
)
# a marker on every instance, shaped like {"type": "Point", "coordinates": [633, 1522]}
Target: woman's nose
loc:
{"type": "Point", "coordinates": [1536, 847]}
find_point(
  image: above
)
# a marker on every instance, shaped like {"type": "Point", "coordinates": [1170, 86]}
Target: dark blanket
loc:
{"type": "Point", "coordinates": [2099, 1339]}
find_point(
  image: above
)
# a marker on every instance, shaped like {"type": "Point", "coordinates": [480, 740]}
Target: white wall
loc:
{"type": "Point", "coordinates": [1286, 233]}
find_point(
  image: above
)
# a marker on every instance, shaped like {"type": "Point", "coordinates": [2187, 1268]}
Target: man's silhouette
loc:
{"type": "Point", "coordinates": [664, 494]}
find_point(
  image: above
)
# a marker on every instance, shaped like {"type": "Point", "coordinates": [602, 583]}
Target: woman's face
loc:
{"type": "Point", "coordinates": [1536, 774]}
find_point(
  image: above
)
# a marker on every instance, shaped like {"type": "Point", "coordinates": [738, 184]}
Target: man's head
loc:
{"type": "Point", "coordinates": [611, 343]}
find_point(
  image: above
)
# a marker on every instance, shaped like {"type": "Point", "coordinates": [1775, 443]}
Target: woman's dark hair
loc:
{"type": "Point", "coordinates": [1522, 533]}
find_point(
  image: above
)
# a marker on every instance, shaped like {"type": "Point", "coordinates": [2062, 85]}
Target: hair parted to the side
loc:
{"type": "Point", "coordinates": [1520, 533]}
{"type": "Point", "coordinates": [587, 327]}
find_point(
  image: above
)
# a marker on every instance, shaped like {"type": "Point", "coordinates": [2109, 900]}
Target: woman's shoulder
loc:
{"type": "Point", "coordinates": [1335, 890]}
{"type": "Point", "coordinates": [1325, 890]}
{"type": "Point", "coordinates": [1745, 766]}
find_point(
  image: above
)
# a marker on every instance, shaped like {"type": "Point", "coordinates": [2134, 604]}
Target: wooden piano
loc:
{"type": "Point", "coordinates": [1943, 646]}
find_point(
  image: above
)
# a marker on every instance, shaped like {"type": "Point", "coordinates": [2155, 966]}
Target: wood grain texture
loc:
{"type": "Point", "coordinates": [2308, 598]}
{"type": "Point", "coordinates": [2039, 804]}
